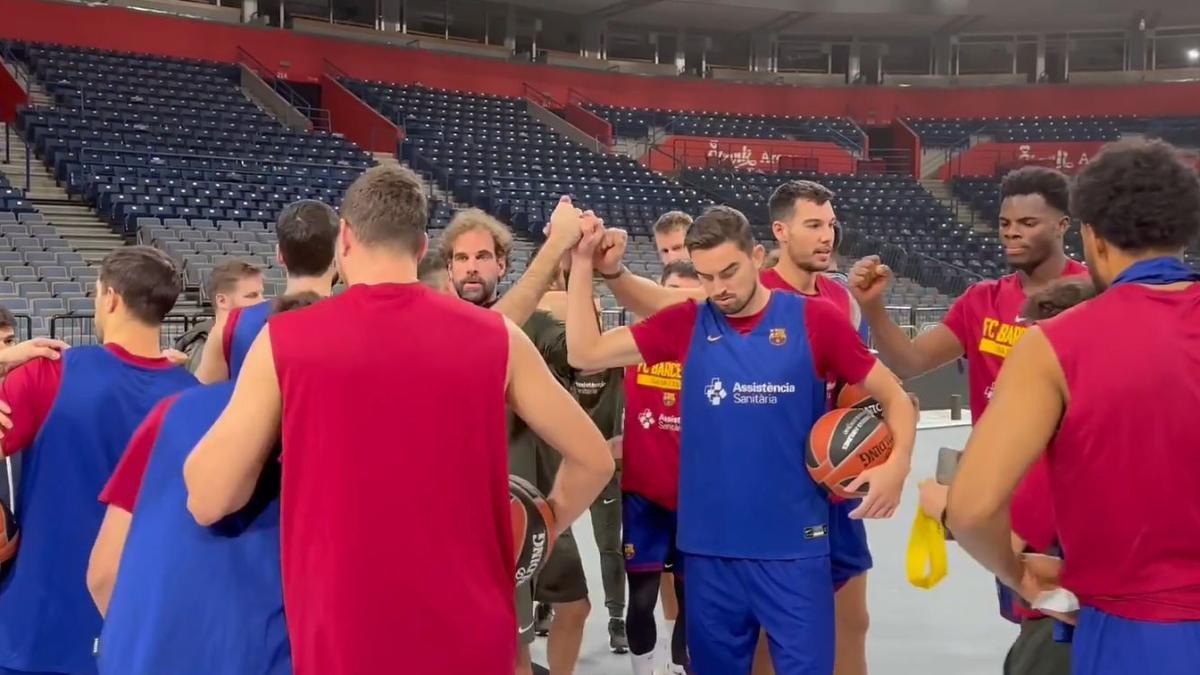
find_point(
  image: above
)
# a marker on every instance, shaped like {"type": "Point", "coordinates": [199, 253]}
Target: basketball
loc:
{"type": "Point", "coordinates": [533, 527]}
{"type": "Point", "coordinates": [8, 533]}
{"type": "Point", "coordinates": [843, 444]}
{"type": "Point", "coordinates": [855, 396]}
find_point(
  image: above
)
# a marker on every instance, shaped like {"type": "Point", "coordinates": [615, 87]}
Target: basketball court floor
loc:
{"type": "Point", "coordinates": [952, 629]}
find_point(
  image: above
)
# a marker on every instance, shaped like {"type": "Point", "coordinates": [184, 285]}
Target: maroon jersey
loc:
{"type": "Point", "coordinates": [987, 322]}
{"type": "Point", "coordinates": [394, 515]}
{"type": "Point", "coordinates": [651, 435]}
{"type": "Point", "coordinates": [827, 289]}
{"type": "Point", "coordinates": [1125, 489]}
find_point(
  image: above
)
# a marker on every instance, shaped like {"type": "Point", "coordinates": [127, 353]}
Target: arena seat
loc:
{"type": "Point", "coordinates": [639, 123]}
{"type": "Point", "coordinates": [489, 152]}
{"type": "Point", "coordinates": [937, 132]}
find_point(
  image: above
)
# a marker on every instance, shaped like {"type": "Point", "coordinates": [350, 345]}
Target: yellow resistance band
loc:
{"type": "Point", "coordinates": [925, 561]}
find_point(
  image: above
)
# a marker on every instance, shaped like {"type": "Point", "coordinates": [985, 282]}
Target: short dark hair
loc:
{"type": "Point", "coordinates": [286, 303]}
{"type": "Point", "coordinates": [432, 264]}
{"type": "Point", "coordinates": [307, 232]}
{"type": "Point", "coordinates": [1057, 298]}
{"type": "Point", "coordinates": [671, 221]}
{"type": "Point", "coordinates": [783, 199]}
{"type": "Point", "coordinates": [386, 206]}
{"type": "Point", "coordinates": [717, 225]}
{"type": "Point", "coordinates": [147, 280]}
{"type": "Point", "coordinates": [1139, 196]}
{"type": "Point", "coordinates": [1051, 184]}
{"type": "Point", "coordinates": [224, 277]}
{"type": "Point", "coordinates": [678, 268]}
{"type": "Point", "coordinates": [7, 320]}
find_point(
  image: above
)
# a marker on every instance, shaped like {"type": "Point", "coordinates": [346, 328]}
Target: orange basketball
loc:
{"type": "Point", "coordinates": [855, 396]}
{"type": "Point", "coordinates": [842, 445]}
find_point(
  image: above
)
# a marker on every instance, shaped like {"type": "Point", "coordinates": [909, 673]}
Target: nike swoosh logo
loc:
{"type": "Point", "coordinates": [606, 502]}
{"type": "Point", "coordinates": [714, 338]}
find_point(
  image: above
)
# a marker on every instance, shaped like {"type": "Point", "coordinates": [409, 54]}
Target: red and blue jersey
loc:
{"type": "Point", "coordinates": [650, 466]}
{"type": "Point", "coordinates": [191, 599]}
{"type": "Point", "coordinates": [752, 389]}
{"type": "Point", "coordinates": [72, 418]}
{"type": "Point", "coordinates": [241, 328]}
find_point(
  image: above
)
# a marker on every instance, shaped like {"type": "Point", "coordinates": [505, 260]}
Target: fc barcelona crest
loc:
{"type": "Point", "coordinates": [629, 552]}
{"type": "Point", "coordinates": [668, 398]}
{"type": "Point", "coordinates": [777, 336]}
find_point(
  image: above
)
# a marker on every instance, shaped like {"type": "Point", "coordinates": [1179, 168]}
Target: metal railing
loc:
{"type": "Point", "coordinates": [79, 328]}
{"type": "Point", "coordinates": [320, 116]}
{"type": "Point", "coordinates": [24, 327]}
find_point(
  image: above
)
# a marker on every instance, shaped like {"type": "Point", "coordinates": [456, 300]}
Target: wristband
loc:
{"type": "Point", "coordinates": [610, 277]}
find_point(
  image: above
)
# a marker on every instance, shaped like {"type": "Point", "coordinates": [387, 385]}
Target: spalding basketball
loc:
{"type": "Point", "coordinates": [842, 445]}
{"type": "Point", "coordinates": [533, 527]}
{"type": "Point", "coordinates": [8, 533]}
{"type": "Point", "coordinates": [855, 396]}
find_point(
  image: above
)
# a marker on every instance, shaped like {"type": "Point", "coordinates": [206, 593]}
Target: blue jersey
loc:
{"type": "Point", "coordinates": [749, 403]}
{"type": "Point", "coordinates": [190, 599]}
{"type": "Point", "coordinates": [49, 621]}
{"type": "Point", "coordinates": [244, 329]}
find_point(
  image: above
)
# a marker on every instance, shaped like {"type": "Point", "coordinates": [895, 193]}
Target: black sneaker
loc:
{"type": "Point", "coordinates": [617, 641]}
{"type": "Point", "coordinates": [542, 614]}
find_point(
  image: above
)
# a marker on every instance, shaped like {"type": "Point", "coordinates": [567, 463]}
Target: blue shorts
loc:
{"type": "Point", "coordinates": [729, 600]}
{"type": "Point", "coordinates": [1108, 645]}
{"type": "Point", "coordinates": [849, 555]}
{"type": "Point", "coordinates": [648, 535]}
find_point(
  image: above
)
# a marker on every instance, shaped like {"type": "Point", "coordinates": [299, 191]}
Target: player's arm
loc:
{"type": "Point", "coordinates": [522, 299]}
{"type": "Point", "coordinates": [552, 414]}
{"type": "Point", "coordinates": [587, 347]}
{"type": "Point", "coordinates": [213, 367]}
{"type": "Point", "coordinates": [907, 357]}
{"type": "Point", "coordinates": [1021, 419]}
{"type": "Point", "coordinates": [106, 556]}
{"type": "Point", "coordinates": [222, 470]}
{"type": "Point", "coordinates": [32, 374]}
{"type": "Point", "coordinates": [638, 294]}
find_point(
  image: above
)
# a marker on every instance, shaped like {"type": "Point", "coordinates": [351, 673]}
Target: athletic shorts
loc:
{"type": "Point", "coordinates": [1108, 645]}
{"type": "Point", "coordinates": [562, 579]}
{"type": "Point", "coordinates": [648, 536]}
{"type": "Point", "coordinates": [729, 600]}
{"type": "Point", "coordinates": [1036, 653]}
{"type": "Point", "coordinates": [849, 555]}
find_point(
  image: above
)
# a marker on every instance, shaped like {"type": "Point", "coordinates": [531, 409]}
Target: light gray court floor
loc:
{"type": "Point", "coordinates": [953, 629]}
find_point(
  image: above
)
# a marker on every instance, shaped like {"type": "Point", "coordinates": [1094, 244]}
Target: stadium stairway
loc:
{"type": "Point", "coordinates": [962, 210]}
{"type": "Point", "coordinates": [73, 220]}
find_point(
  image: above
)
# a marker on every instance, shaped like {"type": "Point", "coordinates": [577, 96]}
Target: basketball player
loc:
{"type": "Point", "coordinates": [769, 354]}
{"type": "Point", "coordinates": [984, 324]}
{"type": "Point", "coordinates": [805, 227]}
{"type": "Point", "coordinates": [150, 624]}
{"type": "Point", "coordinates": [477, 247]}
{"type": "Point", "coordinates": [232, 284]}
{"type": "Point", "coordinates": [74, 415]}
{"type": "Point", "coordinates": [650, 499]}
{"type": "Point", "coordinates": [669, 231]}
{"type": "Point", "coordinates": [351, 582]}
{"type": "Point", "coordinates": [1132, 549]}
{"type": "Point", "coordinates": [433, 273]}
{"type": "Point", "coordinates": [306, 231]}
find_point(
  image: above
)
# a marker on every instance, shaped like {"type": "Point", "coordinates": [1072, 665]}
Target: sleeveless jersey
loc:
{"type": "Point", "coordinates": [241, 329]}
{"type": "Point", "coordinates": [101, 400]}
{"type": "Point", "coordinates": [750, 402]}
{"type": "Point", "coordinates": [1124, 489]}
{"type": "Point", "coordinates": [193, 600]}
{"type": "Point", "coordinates": [395, 484]}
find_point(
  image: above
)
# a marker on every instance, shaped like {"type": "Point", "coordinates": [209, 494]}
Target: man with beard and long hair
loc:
{"type": "Point", "coordinates": [477, 248]}
{"type": "Point", "coordinates": [742, 523]}
{"type": "Point", "coordinates": [983, 325]}
{"type": "Point", "coordinates": [1102, 395]}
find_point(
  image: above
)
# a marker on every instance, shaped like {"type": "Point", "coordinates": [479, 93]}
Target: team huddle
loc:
{"type": "Point", "coordinates": [251, 517]}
